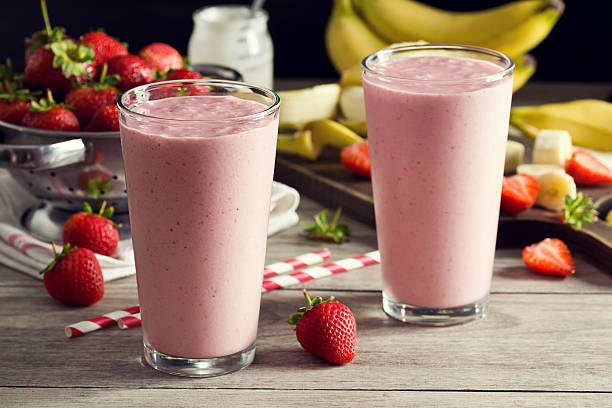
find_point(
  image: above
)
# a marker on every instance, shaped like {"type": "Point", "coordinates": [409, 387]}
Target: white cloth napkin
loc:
{"type": "Point", "coordinates": [24, 253]}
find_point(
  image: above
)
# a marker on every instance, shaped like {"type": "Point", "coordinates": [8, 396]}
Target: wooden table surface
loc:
{"type": "Point", "coordinates": [545, 342]}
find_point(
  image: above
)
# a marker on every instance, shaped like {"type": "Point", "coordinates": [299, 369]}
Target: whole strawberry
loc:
{"type": "Point", "coordinates": [161, 57]}
{"type": "Point", "coordinates": [46, 114]}
{"type": "Point", "coordinates": [74, 277]}
{"type": "Point", "coordinates": [326, 328]}
{"type": "Point", "coordinates": [92, 231]}
{"type": "Point", "coordinates": [104, 46]}
{"type": "Point", "coordinates": [88, 97]}
{"type": "Point", "coordinates": [132, 71]}
{"type": "Point", "coordinates": [105, 119]}
{"type": "Point", "coordinates": [15, 101]}
{"type": "Point", "coordinates": [183, 73]}
{"type": "Point", "coordinates": [54, 63]}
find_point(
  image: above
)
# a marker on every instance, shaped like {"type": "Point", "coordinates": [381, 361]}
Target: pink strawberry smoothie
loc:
{"type": "Point", "coordinates": [437, 135]}
{"type": "Point", "coordinates": [199, 196]}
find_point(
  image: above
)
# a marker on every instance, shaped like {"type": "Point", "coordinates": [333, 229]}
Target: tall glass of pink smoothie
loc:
{"type": "Point", "coordinates": [199, 159]}
{"type": "Point", "coordinates": [437, 120]}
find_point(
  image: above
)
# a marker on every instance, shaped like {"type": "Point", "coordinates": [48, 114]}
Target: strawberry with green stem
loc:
{"type": "Point", "coordinates": [105, 47]}
{"type": "Point", "coordinates": [87, 97]}
{"type": "Point", "coordinates": [74, 276]}
{"type": "Point", "coordinates": [15, 101]}
{"type": "Point", "coordinates": [49, 115]}
{"type": "Point", "coordinates": [55, 59]}
{"type": "Point", "coordinates": [93, 231]}
{"type": "Point", "coordinates": [326, 328]}
{"type": "Point", "coordinates": [320, 229]}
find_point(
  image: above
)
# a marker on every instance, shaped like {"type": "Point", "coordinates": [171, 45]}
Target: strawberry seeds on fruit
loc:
{"type": "Point", "coordinates": [74, 276]}
{"type": "Point", "coordinates": [54, 60]}
{"type": "Point", "coordinates": [549, 257]}
{"type": "Point", "coordinates": [92, 231]}
{"type": "Point", "coordinates": [87, 97]}
{"type": "Point", "coordinates": [326, 328]}
{"type": "Point", "coordinates": [49, 115]}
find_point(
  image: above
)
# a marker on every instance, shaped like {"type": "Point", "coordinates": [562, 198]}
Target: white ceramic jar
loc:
{"type": "Point", "coordinates": [227, 35]}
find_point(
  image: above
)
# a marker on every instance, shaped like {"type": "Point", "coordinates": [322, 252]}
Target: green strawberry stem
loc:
{"type": "Point", "coordinates": [295, 318]}
{"type": "Point", "coordinates": [57, 256]}
{"type": "Point", "coordinates": [45, 14]}
{"type": "Point", "coordinates": [103, 212]}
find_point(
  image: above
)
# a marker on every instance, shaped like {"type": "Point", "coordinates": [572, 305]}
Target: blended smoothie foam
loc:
{"type": "Point", "coordinates": [199, 196]}
{"type": "Point", "coordinates": [437, 134]}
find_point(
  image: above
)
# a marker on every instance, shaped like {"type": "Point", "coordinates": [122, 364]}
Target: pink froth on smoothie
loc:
{"type": "Point", "coordinates": [437, 128]}
{"type": "Point", "coordinates": [199, 196]}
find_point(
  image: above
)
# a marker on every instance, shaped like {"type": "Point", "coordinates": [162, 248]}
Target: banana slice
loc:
{"type": "Point", "coordinates": [515, 152]}
{"type": "Point", "coordinates": [609, 217]}
{"type": "Point", "coordinates": [552, 147]}
{"type": "Point", "coordinates": [553, 189]}
{"type": "Point", "coordinates": [301, 106]}
{"type": "Point", "coordinates": [537, 170]}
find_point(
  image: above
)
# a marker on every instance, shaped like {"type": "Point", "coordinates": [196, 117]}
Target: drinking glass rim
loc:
{"type": "Point", "coordinates": [213, 82]}
{"type": "Point", "coordinates": [450, 47]}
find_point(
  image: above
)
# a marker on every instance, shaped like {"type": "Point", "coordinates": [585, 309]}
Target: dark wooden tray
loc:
{"type": "Point", "coordinates": [327, 181]}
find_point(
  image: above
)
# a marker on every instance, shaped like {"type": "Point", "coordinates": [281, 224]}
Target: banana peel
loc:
{"type": "Point", "coordinates": [348, 39]}
{"type": "Point", "coordinates": [525, 68]}
{"type": "Point", "coordinates": [589, 121]}
{"type": "Point", "coordinates": [309, 141]}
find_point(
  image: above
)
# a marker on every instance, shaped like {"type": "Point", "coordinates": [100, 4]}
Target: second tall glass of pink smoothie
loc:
{"type": "Point", "coordinates": [437, 120]}
{"type": "Point", "coordinates": [199, 159]}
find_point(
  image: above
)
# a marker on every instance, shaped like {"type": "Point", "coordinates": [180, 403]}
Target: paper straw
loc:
{"type": "Point", "coordinates": [126, 320]}
{"type": "Point", "coordinates": [129, 321]}
{"type": "Point", "coordinates": [297, 262]}
{"type": "Point", "coordinates": [316, 272]}
{"type": "Point", "coordinates": [87, 326]}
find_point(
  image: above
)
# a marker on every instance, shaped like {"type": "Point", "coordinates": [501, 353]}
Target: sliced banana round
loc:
{"type": "Point", "coordinates": [301, 106]}
{"type": "Point", "coordinates": [537, 170]}
{"type": "Point", "coordinates": [553, 189]}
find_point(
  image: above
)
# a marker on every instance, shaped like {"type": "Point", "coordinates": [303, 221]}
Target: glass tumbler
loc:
{"type": "Point", "coordinates": [199, 159]}
{"type": "Point", "coordinates": [437, 120]}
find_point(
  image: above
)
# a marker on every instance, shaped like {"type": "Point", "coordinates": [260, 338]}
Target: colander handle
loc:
{"type": "Point", "coordinates": [42, 157]}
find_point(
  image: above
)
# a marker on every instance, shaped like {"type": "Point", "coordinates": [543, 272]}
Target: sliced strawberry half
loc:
{"type": "Point", "coordinates": [519, 193]}
{"type": "Point", "coordinates": [356, 158]}
{"type": "Point", "coordinates": [549, 257]}
{"type": "Point", "coordinates": [587, 170]}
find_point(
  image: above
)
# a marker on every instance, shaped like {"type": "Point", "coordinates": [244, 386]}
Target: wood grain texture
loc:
{"type": "Point", "coordinates": [545, 342]}
{"type": "Point", "coordinates": [115, 397]}
{"type": "Point", "coordinates": [528, 342]}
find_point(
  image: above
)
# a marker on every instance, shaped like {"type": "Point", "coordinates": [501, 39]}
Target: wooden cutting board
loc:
{"type": "Point", "coordinates": [327, 181]}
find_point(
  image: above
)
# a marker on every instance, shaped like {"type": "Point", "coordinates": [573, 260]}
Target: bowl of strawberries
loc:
{"type": "Point", "coordinates": [59, 123]}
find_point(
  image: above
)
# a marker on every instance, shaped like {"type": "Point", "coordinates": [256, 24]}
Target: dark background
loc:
{"type": "Point", "coordinates": [578, 49]}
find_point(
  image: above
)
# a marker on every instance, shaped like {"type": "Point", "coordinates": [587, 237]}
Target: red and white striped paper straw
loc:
{"type": "Point", "coordinates": [281, 281]}
{"type": "Point", "coordinates": [298, 262]}
{"type": "Point", "coordinates": [316, 272]}
{"type": "Point", "coordinates": [129, 321]}
{"type": "Point", "coordinates": [87, 326]}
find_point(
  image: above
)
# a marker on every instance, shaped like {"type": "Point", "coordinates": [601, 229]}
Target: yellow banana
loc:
{"type": "Point", "coordinates": [589, 121]}
{"type": "Point", "coordinates": [301, 106]}
{"type": "Point", "coordinates": [405, 20]}
{"type": "Point", "coordinates": [347, 38]}
{"type": "Point", "coordinates": [310, 141]}
{"type": "Point", "coordinates": [525, 68]}
{"type": "Point", "coordinates": [525, 36]}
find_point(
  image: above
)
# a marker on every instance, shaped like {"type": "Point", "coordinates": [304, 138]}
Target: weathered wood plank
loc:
{"type": "Point", "coordinates": [541, 342]}
{"type": "Point", "coordinates": [511, 276]}
{"type": "Point", "coordinates": [87, 397]}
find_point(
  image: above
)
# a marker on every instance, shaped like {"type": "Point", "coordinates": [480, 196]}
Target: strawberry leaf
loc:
{"type": "Point", "coordinates": [295, 318]}
{"type": "Point", "coordinates": [320, 229]}
{"type": "Point", "coordinates": [579, 211]}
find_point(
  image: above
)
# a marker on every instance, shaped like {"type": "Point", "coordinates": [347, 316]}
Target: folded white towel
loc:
{"type": "Point", "coordinates": [24, 253]}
